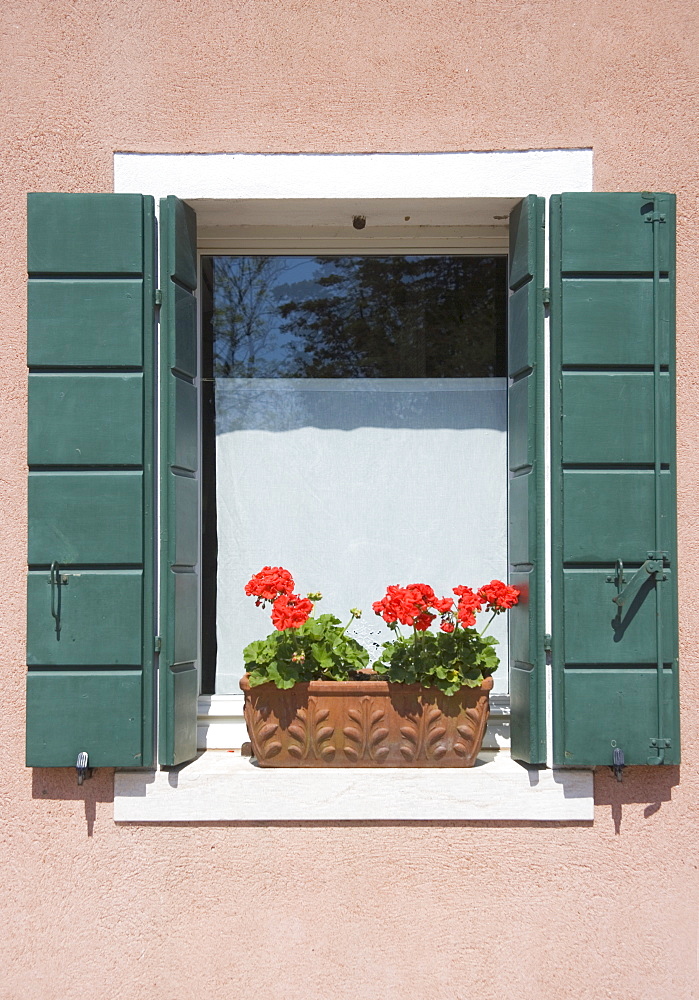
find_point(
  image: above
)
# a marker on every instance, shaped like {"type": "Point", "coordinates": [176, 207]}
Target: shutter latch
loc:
{"type": "Point", "coordinates": [627, 589]}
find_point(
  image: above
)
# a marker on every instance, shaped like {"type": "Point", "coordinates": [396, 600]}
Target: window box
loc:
{"type": "Point", "coordinates": [368, 723]}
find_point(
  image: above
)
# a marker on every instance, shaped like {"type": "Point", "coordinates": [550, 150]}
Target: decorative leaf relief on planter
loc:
{"type": "Point", "coordinates": [424, 736]}
{"type": "Point", "coordinates": [365, 723]}
{"type": "Point", "coordinates": [311, 735]}
{"type": "Point", "coordinates": [261, 731]}
{"type": "Point", "coordinates": [364, 738]}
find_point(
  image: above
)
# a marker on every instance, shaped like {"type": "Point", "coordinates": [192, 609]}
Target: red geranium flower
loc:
{"type": "Point", "coordinates": [443, 604]}
{"type": "Point", "coordinates": [498, 596]}
{"type": "Point", "coordinates": [469, 603]}
{"type": "Point", "coordinates": [411, 605]}
{"type": "Point", "coordinates": [270, 583]}
{"type": "Point", "coordinates": [423, 621]}
{"type": "Point", "coordinates": [291, 611]}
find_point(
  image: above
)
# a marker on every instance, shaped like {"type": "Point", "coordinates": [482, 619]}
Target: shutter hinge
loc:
{"type": "Point", "coordinates": [655, 217]}
{"type": "Point", "coordinates": [158, 645]}
{"type": "Point", "coordinates": [658, 746]}
{"type": "Point", "coordinates": [546, 296]}
{"type": "Point", "coordinates": [158, 297]}
{"type": "Point", "coordinates": [547, 642]}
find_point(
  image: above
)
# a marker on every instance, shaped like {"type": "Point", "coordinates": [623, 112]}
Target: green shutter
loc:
{"type": "Point", "coordinates": [90, 454]}
{"type": "Point", "coordinates": [526, 485]}
{"type": "Point", "coordinates": [613, 485]}
{"type": "Point", "coordinates": [179, 604]}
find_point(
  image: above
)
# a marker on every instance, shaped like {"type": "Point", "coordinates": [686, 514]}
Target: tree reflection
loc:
{"type": "Point", "coordinates": [359, 317]}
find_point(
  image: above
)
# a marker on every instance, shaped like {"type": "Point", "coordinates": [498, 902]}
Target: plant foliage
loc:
{"type": "Point", "coordinates": [445, 660]}
{"type": "Point", "coordinates": [316, 650]}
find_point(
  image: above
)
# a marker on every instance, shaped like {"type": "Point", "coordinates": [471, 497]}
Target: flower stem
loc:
{"type": "Point", "coordinates": [347, 625]}
{"type": "Point", "coordinates": [488, 623]}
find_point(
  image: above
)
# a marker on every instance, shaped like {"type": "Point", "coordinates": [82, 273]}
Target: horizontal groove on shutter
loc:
{"type": "Point", "coordinates": [526, 485]}
{"type": "Point", "coordinates": [90, 454]}
{"type": "Point", "coordinates": [615, 672]}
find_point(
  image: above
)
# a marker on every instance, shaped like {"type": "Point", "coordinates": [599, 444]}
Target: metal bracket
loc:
{"type": "Point", "coordinates": [81, 766]}
{"type": "Point", "coordinates": [627, 590]}
{"type": "Point", "coordinates": [655, 217]}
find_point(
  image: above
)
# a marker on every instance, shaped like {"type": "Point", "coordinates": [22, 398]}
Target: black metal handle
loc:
{"type": "Point", "coordinates": [56, 581]}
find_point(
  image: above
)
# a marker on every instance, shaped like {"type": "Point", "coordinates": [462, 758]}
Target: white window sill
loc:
{"type": "Point", "coordinates": [222, 786]}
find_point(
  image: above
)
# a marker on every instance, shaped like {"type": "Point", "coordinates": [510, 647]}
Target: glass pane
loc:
{"type": "Point", "coordinates": [357, 434]}
{"type": "Point", "coordinates": [358, 317]}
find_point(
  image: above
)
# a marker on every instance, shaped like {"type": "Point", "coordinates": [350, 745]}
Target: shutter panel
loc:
{"type": "Point", "coordinates": [526, 485]}
{"type": "Point", "coordinates": [90, 453]}
{"type": "Point", "coordinates": [613, 490]}
{"type": "Point", "coordinates": [179, 604]}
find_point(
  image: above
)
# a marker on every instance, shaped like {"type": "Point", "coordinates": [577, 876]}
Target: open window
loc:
{"type": "Point", "coordinates": [359, 430]}
{"type": "Point", "coordinates": [93, 579]}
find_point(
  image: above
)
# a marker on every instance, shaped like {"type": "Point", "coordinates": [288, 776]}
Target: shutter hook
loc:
{"type": "Point", "coordinates": [81, 766]}
{"type": "Point", "coordinates": [618, 765]}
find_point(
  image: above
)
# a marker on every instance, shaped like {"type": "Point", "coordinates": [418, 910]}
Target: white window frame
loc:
{"type": "Point", "coordinates": [239, 195]}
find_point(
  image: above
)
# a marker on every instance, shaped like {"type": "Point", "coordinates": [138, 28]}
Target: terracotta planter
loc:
{"type": "Point", "coordinates": [368, 723]}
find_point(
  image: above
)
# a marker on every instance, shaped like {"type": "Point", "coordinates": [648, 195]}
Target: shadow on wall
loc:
{"type": "Point", "coordinates": [650, 785]}
{"type": "Point", "coordinates": [61, 783]}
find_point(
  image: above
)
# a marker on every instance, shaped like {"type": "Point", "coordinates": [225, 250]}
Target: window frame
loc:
{"type": "Point", "coordinates": [220, 716]}
{"type": "Point", "coordinates": [262, 190]}
{"type": "Point", "coordinates": [279, 180]}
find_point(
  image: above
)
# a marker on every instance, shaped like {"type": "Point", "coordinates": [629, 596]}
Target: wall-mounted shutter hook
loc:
{"type": "Point", "coordinates": [618, 765]}
{"type": "Point", "coordinates": [81, 766]}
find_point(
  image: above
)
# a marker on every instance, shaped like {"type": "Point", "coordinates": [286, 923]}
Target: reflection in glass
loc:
{"type": "Point", "coordinates": [412, 316]}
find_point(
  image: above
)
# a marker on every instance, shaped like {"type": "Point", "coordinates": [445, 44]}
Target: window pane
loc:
{"type": "Point", "coordinates": [360, 433]}
{"type": "Point", "coordinates": [358, 317]}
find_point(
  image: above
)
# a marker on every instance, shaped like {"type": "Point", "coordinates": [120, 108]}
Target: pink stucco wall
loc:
{"type": "Point", "coordinates": [429, 910]}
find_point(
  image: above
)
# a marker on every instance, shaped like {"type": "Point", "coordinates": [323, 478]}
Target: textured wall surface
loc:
{"type": "Point", "coordinates": [88, 909]}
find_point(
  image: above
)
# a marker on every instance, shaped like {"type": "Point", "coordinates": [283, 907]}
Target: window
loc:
{"type": "Point", "coordinates": [92, 574]}
{"type": "Point", "coordinates": [362, 395]}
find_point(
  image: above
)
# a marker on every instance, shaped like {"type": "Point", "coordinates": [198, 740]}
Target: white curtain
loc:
{"type": "Point", "coordinates": [354, 484]}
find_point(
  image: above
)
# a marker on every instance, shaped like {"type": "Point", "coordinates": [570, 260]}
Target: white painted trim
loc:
{"type": "Point", "coordinates": [225, 787]}
{"type": "Point", "coordinates": [355, 175]}
{"type": "Point", "coordinates": [270, 177]}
